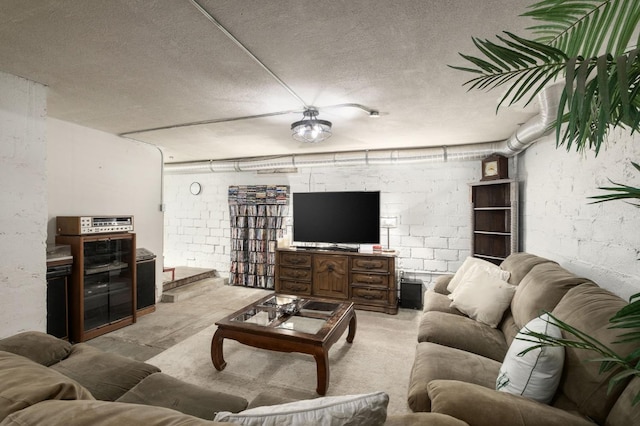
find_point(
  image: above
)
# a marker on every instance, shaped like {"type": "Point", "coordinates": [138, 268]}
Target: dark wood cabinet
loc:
{"type": "Point", "coordinates": [494, 219]}
{"type": "Point", "coordinates": [102, 291]}
{"type": "Point", "coordinates": [331, 276]}
{"type": "Point", "coordinates": [367, 279]}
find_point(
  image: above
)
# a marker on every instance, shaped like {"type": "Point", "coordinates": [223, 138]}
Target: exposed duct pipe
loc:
{"type": "Point", "coordinates": [528, 133]}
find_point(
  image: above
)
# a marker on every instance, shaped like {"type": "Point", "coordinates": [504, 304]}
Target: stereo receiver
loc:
{"type": "Point", "coordinates": [84, 225]}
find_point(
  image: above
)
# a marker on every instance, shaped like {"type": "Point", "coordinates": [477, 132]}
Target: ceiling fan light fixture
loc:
{"type": "Point", "coordinates": [310, 129]}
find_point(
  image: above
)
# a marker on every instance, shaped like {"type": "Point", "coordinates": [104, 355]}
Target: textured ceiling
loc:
{"type": "Point", "coordinates": [127, 65]}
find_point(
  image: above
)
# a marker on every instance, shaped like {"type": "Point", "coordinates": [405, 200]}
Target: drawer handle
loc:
{"type": "Point", "coordinates": [295, 287]}
{"type": "Point", "coordinates": [372, 265]}
{"type": "Point", "coordinates": [373, 280]}
{"type": "Point", "coordinates": [296, 260]}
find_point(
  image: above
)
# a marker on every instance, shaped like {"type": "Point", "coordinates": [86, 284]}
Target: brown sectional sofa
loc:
{"type": "Point", "coordinates": [457, 359]}
{"type": "Point", "coordinates": [43, 368]}
{"type": "Point", "coordinates": [45, 380]}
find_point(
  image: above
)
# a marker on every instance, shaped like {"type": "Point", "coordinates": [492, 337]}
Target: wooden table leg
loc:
{"type": "Point", "coordinates": [217, 356]}
{"type": "Point", "coordinates": [322, 367]}
{"type": "Point", "coordinates": [352, 328]}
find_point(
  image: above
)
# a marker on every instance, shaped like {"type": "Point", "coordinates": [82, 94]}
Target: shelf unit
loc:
{"type": "Point", "coordinates": [257, 214]}
{"type": "Point", "coordinates": [494, 219]}
{"type": "Point", "coordinates": [102, 295]}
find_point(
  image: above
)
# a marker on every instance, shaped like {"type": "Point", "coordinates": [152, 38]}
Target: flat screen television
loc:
{"type": "Point", "coordinates": [347, 217]}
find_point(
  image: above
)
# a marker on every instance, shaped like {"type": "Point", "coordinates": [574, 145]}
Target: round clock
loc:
{"type": "Point", "coordinates": [495, 167]}
{"type": "Point", "coordinates": [195, 188]}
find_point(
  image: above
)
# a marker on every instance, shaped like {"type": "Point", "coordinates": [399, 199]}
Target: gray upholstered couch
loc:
{"type": "Point", "coordinates": [38, 370]}
{"type": "Point", "coordinates": [48, 381]}
{"type": "Point", "coordinates": [458, 359]}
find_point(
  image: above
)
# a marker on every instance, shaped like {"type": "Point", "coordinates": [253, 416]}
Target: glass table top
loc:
{"type": "Point", "coordinates": [289, 313]}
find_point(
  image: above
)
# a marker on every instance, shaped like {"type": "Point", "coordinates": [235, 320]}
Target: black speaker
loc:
{"type": "Point", "coordinates": [146, 283]}
{"type": "Point", "coordinates": [411, 294]}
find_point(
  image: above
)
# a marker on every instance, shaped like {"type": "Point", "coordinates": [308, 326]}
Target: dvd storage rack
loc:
{"type": "Point", "coordinates": [257, 214]}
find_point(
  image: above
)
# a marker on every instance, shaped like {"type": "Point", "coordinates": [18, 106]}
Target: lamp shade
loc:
{"type": "Point", "coordinates": [310, 129]}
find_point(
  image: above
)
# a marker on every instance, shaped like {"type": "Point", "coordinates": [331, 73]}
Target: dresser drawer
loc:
{"type": "Point", "coordinates": [301, 274]}
{"type": "Point", "coordinates": [370, 295]}
{"type": "Point", "coordinates": [295, 259]}
{"type": "Point", "coordinates": [371, 264]}
{"type": "Point", "coordinates": [294, 287]}
{"type": "Point", "coordinates": [377, 280]}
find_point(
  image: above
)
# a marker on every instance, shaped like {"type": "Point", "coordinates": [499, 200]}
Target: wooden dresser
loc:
{"type": "Point", "coordinates": [366, 279]}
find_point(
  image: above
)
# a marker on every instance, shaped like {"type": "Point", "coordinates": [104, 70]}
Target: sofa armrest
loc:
{"type": "Point", "coordinates": [480, 406]}
{"type": "Point", "coordinates": [440, 284]}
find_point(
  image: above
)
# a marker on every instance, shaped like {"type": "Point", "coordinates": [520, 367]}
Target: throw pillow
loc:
{"type": "Point", "coordinates": [483, 297]}
{"type": "Point", "coordinates": [349, 410]}
{"type": "Point", "coordinates": [537, 373]}
{"type": "Point", "coordinates": [468, 263]}
{"type": "Point", "coordinates": [24, 383]}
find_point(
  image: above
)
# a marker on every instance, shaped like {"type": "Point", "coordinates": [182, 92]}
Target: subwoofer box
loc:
{"type": "Point", "coordinates": [411, 294]}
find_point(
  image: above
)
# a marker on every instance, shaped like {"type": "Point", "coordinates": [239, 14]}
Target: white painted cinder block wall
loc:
{"type": "Point", "coordinates": [23, 205]}
{"type": "Point", "coordinates": [431, 200]}
{"type": "Point", "coordinates": [597, 241]}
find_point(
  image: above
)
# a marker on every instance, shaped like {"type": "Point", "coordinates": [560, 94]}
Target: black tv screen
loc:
{"type": "Point", "coordinates": [336, 217]}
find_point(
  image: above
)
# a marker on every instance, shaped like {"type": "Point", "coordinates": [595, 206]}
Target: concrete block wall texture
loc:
{"type": "Point", "coordinates": [23, 205]}
{"type": "Point", "coordinates": [431, 202]}
{"type": "Point", "coordinates": [597, 241]}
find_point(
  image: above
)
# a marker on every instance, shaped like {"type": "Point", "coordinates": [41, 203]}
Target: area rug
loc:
{"type": "Point", "coordinates": [380, 358]}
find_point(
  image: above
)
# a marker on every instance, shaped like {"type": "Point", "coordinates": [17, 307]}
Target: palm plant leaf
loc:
{"type": "Point", "coordinates": [626, 366]}
{"type": "Point", "coordinates": [622, 192]}
{"type": "Point", "coordinates": [581, 27]}
{"type": "Point", "coordinates": [591, 43]}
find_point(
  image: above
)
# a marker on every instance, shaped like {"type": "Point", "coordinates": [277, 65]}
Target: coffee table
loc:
{"type": "Point", "coordinates": [287, 323]}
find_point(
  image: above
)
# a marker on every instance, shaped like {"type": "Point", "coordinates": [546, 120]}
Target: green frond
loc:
{"type": "Point", "coordinates": [582, 27]}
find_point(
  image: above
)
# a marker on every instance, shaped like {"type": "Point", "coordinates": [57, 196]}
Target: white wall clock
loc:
{"type": "Point", "coordinates": [195, 188]}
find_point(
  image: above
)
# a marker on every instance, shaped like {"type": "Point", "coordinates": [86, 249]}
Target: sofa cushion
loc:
{"type": "Point", "coordinates": [422, 419]}
{"type": "Point", "coordinates": [624, 412]}
{"type": "Point", "coordinates": [462, 333]}
{"type": "Point", "coordinates": [483, 296]}
{"type": "Point", "coordinates": [353, 410]}
{"type": "Point", "coordinates": [440, 284]}
{"type": "Point", "coordinates": [588, 308]}
{"type": "Point", "coordinates": [541, 290]}
{"type": "Point", "coordinates": [434, 301]}
{"type": "Point", "coordinates": [535, 374]}
{"type": "Point", "coordinates": [162, 390]}
{"type": "Point", "coordinates": [471, 264]}
{"type": "Point", "coordinates": [92, 413]}
{"type": "Point", "coordinates": [433, 361]}
{"type": "Point", "coordinates": [519, 264]}
{"type": "Point", "coordinates": [24, 383]}
{"type": "Point", "coordinates": [37, 346]}
{"type": "Point", "coordinates": [108, 376]}
{"type": "Point", "coordinates": [480, 406]}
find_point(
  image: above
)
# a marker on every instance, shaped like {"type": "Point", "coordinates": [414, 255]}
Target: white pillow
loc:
{"type": "Point", "coordinates": [537, 373]}
{"type": "Point", "coordinates": [467, 264]}
{"type": "Point", "coordinates": [353, 410]}
{"type": "Point", "coordinates": [482, 296]}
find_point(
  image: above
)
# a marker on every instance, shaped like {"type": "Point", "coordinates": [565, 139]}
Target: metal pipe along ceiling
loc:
{"type": "Point", "coordinates": [528, 133]}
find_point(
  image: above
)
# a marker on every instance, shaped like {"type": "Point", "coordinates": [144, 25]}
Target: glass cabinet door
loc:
{"type": "Point", "coordinates": [108, 282]}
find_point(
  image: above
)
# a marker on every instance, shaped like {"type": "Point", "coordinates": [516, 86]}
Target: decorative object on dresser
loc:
{"type": "Point", "coordinates": [495, 167]}
{"type": "Point", "coordinates": [257, 215]}
{"type": "Point", "coordinates": [366, 279]}
{"type": "Point", "coordinates": [494, 219]}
